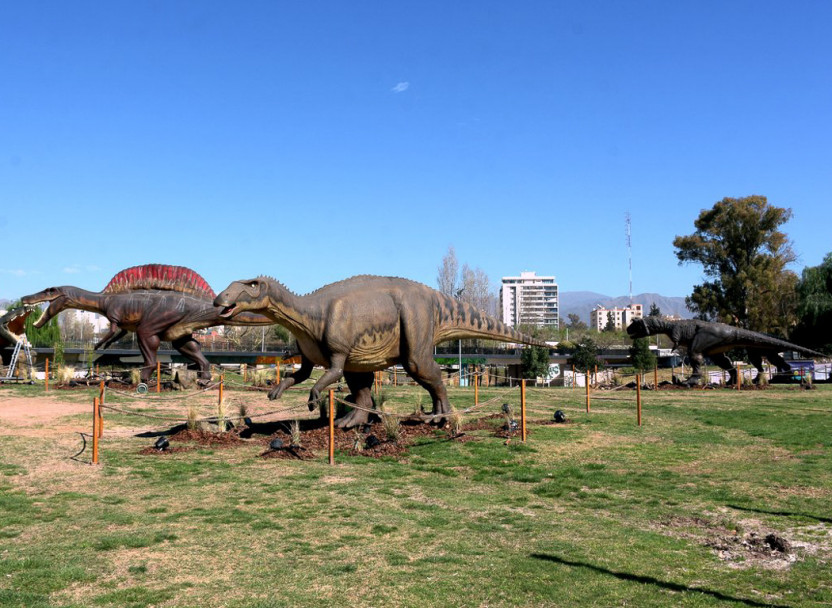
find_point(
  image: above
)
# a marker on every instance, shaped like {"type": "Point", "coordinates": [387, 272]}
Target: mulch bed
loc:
{"type": "Point", "coordinates": [370, 441]}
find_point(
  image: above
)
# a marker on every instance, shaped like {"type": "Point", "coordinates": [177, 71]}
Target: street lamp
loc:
{"type": "Point", "coordinates": [458, 297]}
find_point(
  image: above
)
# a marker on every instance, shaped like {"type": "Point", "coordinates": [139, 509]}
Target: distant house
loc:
{"type": "Point", "coordinates": [621, 317]}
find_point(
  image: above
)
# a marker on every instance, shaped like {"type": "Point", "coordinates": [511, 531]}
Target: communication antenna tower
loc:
{"type": "Point", "coordinates": [629, 252]}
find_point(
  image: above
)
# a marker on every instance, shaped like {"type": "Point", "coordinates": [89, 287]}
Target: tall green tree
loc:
{"type": "Point", "coordinates": [534, 361]}
{"type": "Point", "coordinates": [814, 306]}
{"type": "Point", "coordinates": [744, 257]}
{"type": "Point", "coordinates": [655, 311]}
{"type": "Point", "coordinates": [641, 356]}
{"type": "Point", "coordinates": [585, 356]}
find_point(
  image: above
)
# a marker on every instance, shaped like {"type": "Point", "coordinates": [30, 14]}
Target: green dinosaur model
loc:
{"type": "Point", "coordinates": [364, 324]}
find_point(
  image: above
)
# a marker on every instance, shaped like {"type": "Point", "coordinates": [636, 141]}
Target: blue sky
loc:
{"type": "Point", "coordinates": [312, 141]}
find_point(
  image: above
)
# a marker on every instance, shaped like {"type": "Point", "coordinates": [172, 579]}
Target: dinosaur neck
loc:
{"type": "Point", "coordinates": [82, 299]}
{"type": "Point", "coordinates": [658, 326]}
{"type": "Point", "coordinates": [295, 313]}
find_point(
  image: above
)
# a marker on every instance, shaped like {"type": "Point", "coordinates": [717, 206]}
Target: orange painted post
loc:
{"type": "Point", "coordinates": [331, 426]}
{"type": "Point", "coordinates": [638, 398]}
{"type": "Point", "coordinates": [222, 382]}
{"type": "Point", "coordinates": [95, 411]}
{"type": "Point", "coordinates": [158, 376]}
{"type": "Point", "coordinates": [277, 372]}
{"type": "Point", "coordinates": [100, 409]}
{"type": "Point", "coordinates": [523, 410]}
{"type": "Point", "coordinates": [587, 391]}
{"type": "Point", "coordinates": [46, 375]}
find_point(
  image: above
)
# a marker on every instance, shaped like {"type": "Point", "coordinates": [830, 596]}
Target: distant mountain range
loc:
{"type": "Point", "coordinates": [581, 303]}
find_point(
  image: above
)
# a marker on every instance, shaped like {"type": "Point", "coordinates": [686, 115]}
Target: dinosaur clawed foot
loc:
{"type": "Point", "coordinates": [354, 417]}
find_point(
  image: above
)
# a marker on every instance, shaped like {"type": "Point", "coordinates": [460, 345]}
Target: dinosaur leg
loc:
{"type": "Point", "coordinates": [755, 357]}
{"type": "Point", "coordinates": [724, 362]}
{"type": "Point", "coordinates": [189, 348]}
{"type": "Point", "coordinates": [427, 373]}
{"type": "Point", "coordinates": [360, 385]}
{"type": "Point", "coordinates": [696, 360]}
{"type": "Point", "coordinates": [299, 376]}
{"type": "Point", "coordinates": [784, 370]}
{"type": "Point", "coordinates": [331, 374]}
{"type": "Point", "coordinates": [148, 344]}
{"type": "Point", "coordinates": [114, 333]}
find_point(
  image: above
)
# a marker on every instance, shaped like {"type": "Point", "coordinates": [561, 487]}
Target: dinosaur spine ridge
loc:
{"type": "Point", "coordinates": [160, 276]}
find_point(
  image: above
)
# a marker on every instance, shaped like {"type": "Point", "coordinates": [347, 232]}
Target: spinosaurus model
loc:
{"type": "Point", "coordinates": [363, 324]}
{"type": "Point", "coordinates": [707, 339]}
{"type": "Point", "coordinates": [157, 302]}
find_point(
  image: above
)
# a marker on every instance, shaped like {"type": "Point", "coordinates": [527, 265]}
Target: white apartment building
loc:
{"type": "Point", "coordinates": [621, 317]}
{"type": "Point", "coordinates": [529, 299]}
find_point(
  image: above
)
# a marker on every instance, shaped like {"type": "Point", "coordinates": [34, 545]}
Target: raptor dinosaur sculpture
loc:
{"type": "Point", "coordinates": [707, 339]}
{"type": "Point", "coordinates": [157, 302]}
{"type": "Point", "coordinates": [364, 324]}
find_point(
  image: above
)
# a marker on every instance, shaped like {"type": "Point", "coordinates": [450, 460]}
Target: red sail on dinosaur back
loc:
{"type": "Point", "coordinates": [160, 276]}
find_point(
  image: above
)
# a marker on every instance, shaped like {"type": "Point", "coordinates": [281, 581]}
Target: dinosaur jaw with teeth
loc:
{"type": "Point", "coordinates": [228, 311]}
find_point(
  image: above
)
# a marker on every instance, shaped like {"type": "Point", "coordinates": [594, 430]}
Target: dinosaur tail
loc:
{"type": "Point", "coordinates": [770, 342]}
{"type": "Point", "coordinates": [459, 320]}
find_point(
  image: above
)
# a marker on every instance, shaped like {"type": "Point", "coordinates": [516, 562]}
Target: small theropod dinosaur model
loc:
{"type": "Point", "coordinates": [706, 339]}
{"type": "Point", "coordinates": [157, 302]}
{"type": "Point", "coordinates": [364, 324]}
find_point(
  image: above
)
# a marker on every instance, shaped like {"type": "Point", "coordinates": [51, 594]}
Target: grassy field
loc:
{"type": "Point", "coordinates": [595, 512]}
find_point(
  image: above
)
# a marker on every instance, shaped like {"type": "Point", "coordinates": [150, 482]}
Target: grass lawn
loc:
{"type": "Point", "coordinates": [720, 498]}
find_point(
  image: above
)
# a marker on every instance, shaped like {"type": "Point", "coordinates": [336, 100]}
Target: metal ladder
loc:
{"type": "Point", "coordinates": [22, 344]}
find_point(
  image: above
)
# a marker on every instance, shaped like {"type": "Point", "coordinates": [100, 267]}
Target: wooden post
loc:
{"type": "Point", "coordinates": [331, 426]}
{"type": "Point", "coordinates": [739, 377]}
{"type": "Point", "coordinates": [277, 372]}
{"type": "Point", "coordinates": [100, 410]}
{"type": "Point", "coordinates": [158, 376]}
{"type": "Point", "coordinates": [222, 382]}
{"type": "Point", "coordinates": [587, 391]}
{"type": "Point", "coordinates": [523, 410]}
{"type": "Point", "coordinates": [95, 411]}
{"type": "Point", "coordinates": [395, 376]}
{"type": "Point", "coordinates": [574, 379]}
{"type": "Point", "coordinates": [638, 398]}
{"type": "Point", "coordinates": [245, 374]}
{"type": "Point", "coordinates": [46, 375]}
{"type": "Point", "coordinates": [656, 377]}
{"type": "Point", "coordinates": [476, 390]}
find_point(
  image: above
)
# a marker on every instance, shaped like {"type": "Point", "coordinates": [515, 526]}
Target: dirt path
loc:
{"type": "Point", "coordinates": [38, 416]}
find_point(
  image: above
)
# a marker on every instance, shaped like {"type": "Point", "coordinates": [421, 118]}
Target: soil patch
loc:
{"type": "Point", "coordinates": [739, 549]}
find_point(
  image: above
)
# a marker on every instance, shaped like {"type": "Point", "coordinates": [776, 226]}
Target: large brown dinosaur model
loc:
{"type": "Point", "coordinates": [707, 339]}
{"type": "Point", "coordinates": [157, 302]}
{"type": "Point", "coordinates": [364, 324]}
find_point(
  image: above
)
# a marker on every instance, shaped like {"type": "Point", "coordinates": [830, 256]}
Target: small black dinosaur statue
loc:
{"type": "Point", "coordinates": [708, 339]}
